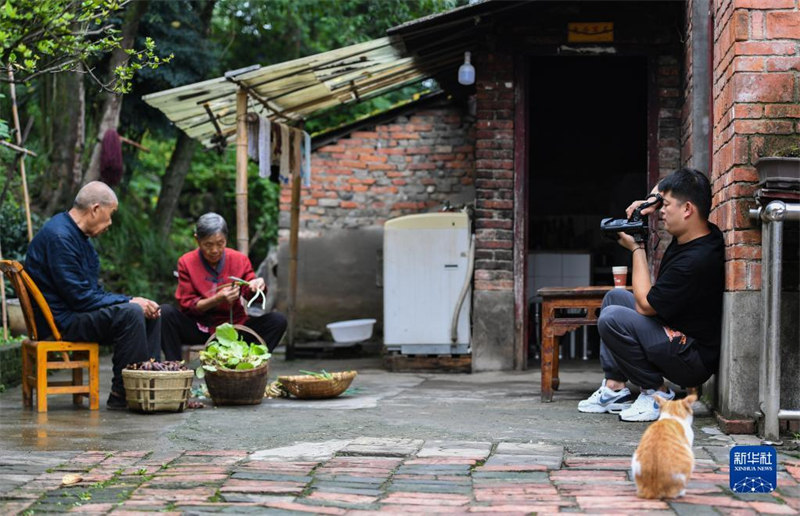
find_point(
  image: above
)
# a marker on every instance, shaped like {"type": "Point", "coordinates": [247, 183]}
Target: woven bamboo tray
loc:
{"type": "Point", "coordinates": [309, 387]}
{"type": "Point", "coordinates": [157, 391]}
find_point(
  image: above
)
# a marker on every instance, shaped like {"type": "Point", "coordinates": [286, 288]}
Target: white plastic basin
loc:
{"type": "Point", "coordinates": [351, 331]}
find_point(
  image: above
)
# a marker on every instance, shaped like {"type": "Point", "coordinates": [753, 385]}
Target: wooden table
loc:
{"type": "Point", "coordinates": [556, 322]}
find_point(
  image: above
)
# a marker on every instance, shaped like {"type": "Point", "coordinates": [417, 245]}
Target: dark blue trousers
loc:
{"type": "Point", "coordinates": [123, 327]}
{"type": "Point", "coordinates": [635, 347]}
{"type": "Point", "coordinates": [179, 329]}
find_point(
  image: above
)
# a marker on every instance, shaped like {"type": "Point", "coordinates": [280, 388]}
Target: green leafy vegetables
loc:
{"type": "Point", "coordinates": [229, 351]}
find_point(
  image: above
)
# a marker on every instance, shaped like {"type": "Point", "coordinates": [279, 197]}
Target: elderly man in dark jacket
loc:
{"type": "Point", "coordinates": [65, 266]}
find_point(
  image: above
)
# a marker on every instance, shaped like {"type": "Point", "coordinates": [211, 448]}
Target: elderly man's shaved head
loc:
{"type": "Point", "coordinates": [95, 192]}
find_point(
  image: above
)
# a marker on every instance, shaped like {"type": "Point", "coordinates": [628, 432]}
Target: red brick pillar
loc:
{"type": "Point", "coordinates": [756, 74]}
{"type": "Point", "coordinates": [493, 306]}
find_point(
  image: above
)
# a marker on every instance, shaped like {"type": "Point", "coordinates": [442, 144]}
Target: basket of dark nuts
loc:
{"type": "Point", "coordinates": [157, 386]}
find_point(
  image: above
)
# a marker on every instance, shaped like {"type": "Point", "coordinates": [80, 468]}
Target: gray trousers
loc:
{"type": "Point", "coordinates": [635, 347]}
{"type": "Point", "coordinates": [123, 327]}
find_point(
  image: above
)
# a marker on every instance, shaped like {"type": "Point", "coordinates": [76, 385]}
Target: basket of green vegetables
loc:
{"type": "Point", "coordinates": [235, 370]}
{"type": "Point", "coordinates": [317, 385]}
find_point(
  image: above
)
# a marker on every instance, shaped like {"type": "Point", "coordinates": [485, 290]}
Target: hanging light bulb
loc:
{"type": "Point", "coordinates": [466, 72]}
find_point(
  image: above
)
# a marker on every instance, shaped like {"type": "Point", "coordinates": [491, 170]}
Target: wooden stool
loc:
{"type": "Point", "coordinates": [556, 322]}
{"type": "Point", "coordinates": [41, 356]}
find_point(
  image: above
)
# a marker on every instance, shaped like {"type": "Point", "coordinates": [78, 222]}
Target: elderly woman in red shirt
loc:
{"type": "Point", "coordinates": [207, 296]}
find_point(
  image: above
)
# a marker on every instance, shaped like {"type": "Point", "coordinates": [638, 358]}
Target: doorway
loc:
{"type": "Point", "coordinates": [588, 160]}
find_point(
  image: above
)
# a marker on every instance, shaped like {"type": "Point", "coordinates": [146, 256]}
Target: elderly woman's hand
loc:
{"type": "Point", "coordinates": [257, 284]}
{"type": "Point", "coordinates": [229, 294]}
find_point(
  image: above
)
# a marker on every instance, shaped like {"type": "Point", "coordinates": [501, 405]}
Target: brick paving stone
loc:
{"type": "Point", "coordinates": [288, 468]}
{"type": "Point", "coordinates": [220, 508]}
{"type": "Point", "coordinates": [254, 498]}
{"type": "Point", "coordinates": [728, 511]}
{"type": "Point", "coordinates": [247, 475]}
{"type": "Point", "coordinates": [612, 463]}
{"type": "Point", "coordinates": [165, 480]}
{"type": "Point", "coordinates": [549, 461]}
{"type": "Point", "coordinates": [772, 508]}
{"type": "Point", "coordinates": [516, 509]}
{"type": "Point", "coordinates": [259, 486]}
{"type": "Point", "coordinates": [460, 479]}
{"type": "Point", "coordinates": [688, 509]}
{"type": "Point", "coordinates": [528, 449]}
{"type": "Point", "coordinates": [93, 508]}
{"type": "Point", "coordinates": [441, 460]}
{"type": "Point", "coordinates": [348, 490]}
{"type": "Point", "coordinates": [411, 498]}
{"type": "Point", "coordinates": [294, 506]}
{"type": "Point", "coordinates": [451, 449]}
{"type": "Point", "coordinates": [349, 499]}
{"type": "Point", "coordinates": [382, 447]}
{"type": "Point", "coordinates": [717, 501]}
{"type": "Point", "coordinates": [429, 488]}
{"type": "Point", "coordinates": [431, 480]}
{"type": "Point", "coordinates": [15, 507]}
{"type": "Point", "coordinates": [510, 476]}
{"type": "Point", "coordinates": [512, 467]}
{"type": "Point", "coordinates": [174, 495]}
{"type": "Point", "coordinates": [352, 479]}
{"type": "Point", "coordinates": [434, 469]}
{"type": "Point", "coordinates": [568, 475]}
{"type": "Point", "coordinates": [618, 503]}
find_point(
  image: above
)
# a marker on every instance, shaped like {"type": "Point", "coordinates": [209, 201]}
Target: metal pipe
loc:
{"type": "Point", "coordinates": [789, 414]}
{"type": "Point", "coordinates": [772, 244]}
{"type": "Point", "coordinates": [769, 388]}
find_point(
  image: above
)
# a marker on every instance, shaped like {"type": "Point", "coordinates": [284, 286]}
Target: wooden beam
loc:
{"type": "Point", "coordinates": [294, 229]}
{"type": "Point", "coordinates": [242, 237]}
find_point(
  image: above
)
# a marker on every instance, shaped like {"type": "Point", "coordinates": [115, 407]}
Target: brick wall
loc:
{"type": "Point", "coordinates": [411, 165]}
{"type": "Point", "coordinates": [669, 138]}
{"type": "Point", "coordinates": [756, 110]}
{"type": "Point", "coordinates": [494, 173]}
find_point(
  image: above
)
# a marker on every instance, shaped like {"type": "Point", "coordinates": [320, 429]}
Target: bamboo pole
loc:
{"type": "Point", "coordinates": [15, 114]}
{"type": "Point", "coordinates": [294, 229]}
{"type": "Point", "coordinates": [4, 312]}
{"type": "Point", "coordinates": [242, 237]}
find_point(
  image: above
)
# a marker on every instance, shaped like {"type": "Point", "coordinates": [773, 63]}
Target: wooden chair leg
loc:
{"type": "Point", "coordinates": [77, 379]}
{"type": "Point", "coordinates": [27, 371]}
{"type": "Point", "coordinates": [41, 381]}
{"type": "Point", "coordinates": [94, 378]}
{"type": "Point", "coordinates": [548, 352]}
{"type": "Point", "coordinates": [555, 381]}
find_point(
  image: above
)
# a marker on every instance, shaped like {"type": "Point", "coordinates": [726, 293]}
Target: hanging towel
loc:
{"type": "Point", "coordinates": [252, 139]}
{"type": "Point", "coordinates": [305, 165]}
{"type": "Point", "coordinates": [263, 146]}
{"type": "Point", "coordinates": [286, 151]}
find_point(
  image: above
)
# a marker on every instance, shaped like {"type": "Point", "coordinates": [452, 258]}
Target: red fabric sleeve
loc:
{"type": "Point", "coordinates": [186, 294]}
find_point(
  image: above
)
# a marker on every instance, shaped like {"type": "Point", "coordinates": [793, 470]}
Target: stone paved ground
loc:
{"type": "Point", "coordinates": [371, 475]}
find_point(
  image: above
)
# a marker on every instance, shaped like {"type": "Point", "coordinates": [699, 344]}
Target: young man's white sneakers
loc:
{"type": "Point", "coordinates": [645, 407]}
{"type": "Point", "coordinates": [606, 400]}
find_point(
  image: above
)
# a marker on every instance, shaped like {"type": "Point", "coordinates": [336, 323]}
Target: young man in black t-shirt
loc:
{"type": "Point", "coordinates": [670, 329]}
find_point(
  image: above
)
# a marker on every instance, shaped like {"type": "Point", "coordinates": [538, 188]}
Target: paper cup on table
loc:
{"type": "Point", "coordinates": [620, 276]}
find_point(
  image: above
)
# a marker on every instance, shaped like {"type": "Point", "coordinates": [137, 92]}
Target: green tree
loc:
{"type": "Point", "coordinates": [48, 36]}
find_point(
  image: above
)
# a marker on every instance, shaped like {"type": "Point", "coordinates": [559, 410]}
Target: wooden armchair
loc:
{"type": "Point", "coordinates": [41, 356]}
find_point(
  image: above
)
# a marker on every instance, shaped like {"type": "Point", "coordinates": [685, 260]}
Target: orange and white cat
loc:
{"type": "Point", "coordinates": [664, 461]}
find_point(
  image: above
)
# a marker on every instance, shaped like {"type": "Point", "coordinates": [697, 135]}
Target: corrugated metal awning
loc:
{"type": "Point", "coordinates": [292, 91]}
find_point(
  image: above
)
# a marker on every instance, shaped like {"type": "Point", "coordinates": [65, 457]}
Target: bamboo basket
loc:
{"type": "Point", "coordinates": [309, 387]}
{"type": "Point", "coordinates": [238, 387]}
{"type": "Point", "coordinates": [157, 391]}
